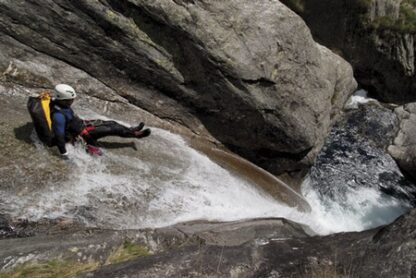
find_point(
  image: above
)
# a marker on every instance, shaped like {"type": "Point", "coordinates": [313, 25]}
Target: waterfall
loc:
{"type": "Point", "coordinates": [162, 180]}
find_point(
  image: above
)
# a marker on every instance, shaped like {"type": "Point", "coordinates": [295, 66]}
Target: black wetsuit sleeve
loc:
{"type": "Point", "coordinates": [76, 125]}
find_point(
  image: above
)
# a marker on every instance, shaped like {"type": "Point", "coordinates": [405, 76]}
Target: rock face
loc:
{"type": "Point", "coordinates": [385, 252]}
{"type": "Point", "coordinates": [5, 229]}
{"type": "Point", "coordinates": [397, 243]}
{"type": "Point", "coordinates": [252, 248]}
{"type": "Point", "coordinates": [403, 148]}
{"type": "Point", "coordinates": [376, 37]}
{"type": "Point", "coordinates": [355, 157]}
{"type": "Point", "coordinates": [351, 254]}
{"type": "Point", "coordinates": [187, 238]}
{"type": "Point", "coordinates": [249, 72]}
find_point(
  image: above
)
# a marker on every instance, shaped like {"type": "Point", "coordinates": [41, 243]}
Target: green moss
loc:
{"type": "Point", "coordinates": [297, 6]}
{"type": "Point", "coordinates": [407, 18]}
{"type": "Point", "coordinates": [364, 4]}
{"type": "Point", "coordinates": [50, 269]}
{"type": "Point", "coordinates": [128, 251]}
{"type": "Point", "coordinates": [406, 23]}
{"type": "Point", "coordinates": [71, 269]}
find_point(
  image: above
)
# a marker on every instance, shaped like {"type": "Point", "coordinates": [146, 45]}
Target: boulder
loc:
{"type": "Point", "coordinates": [249, 72]}
{"type": "Point", "coordinates": [355, 158]}
{"type": "Point", "coordinates": [396, 242]}
{"type": "Point", "coordinates": [377, 37]}
{"type": "Point", "coordinates": [403, 148]}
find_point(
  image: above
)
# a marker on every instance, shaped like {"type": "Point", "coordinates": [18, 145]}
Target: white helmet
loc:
{"type": "Point", "coordinates": [63, 92]}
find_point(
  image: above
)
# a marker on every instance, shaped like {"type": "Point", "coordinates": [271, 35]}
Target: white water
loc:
{"type": "Point", "coordinates": [362, 209]}
{"type": "Point", "coordinates": [359, 97]}
{"type": "Point", "coordinates": [165, 182]}
{"type": "Point", "coordinates": [174, 183]}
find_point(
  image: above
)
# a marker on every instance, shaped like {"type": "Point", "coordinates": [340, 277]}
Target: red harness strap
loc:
{"type": "Point", "coordinates": [86, 130]}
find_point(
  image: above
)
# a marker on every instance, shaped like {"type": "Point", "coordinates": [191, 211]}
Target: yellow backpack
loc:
{"type": "Point", "coordinates": [41, 116]}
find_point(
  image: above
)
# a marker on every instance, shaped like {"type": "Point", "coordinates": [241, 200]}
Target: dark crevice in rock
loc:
{"type": "Point", "coordinates": [180, 2]}
{"type": "Point", "coordinates": [181, 48]}
{"type": "Point", "coordinates": [203, 78]}
{"type": "Point", "coordinates": [261, 82]}
{"type": "Point", "coordinates": [266, 154]}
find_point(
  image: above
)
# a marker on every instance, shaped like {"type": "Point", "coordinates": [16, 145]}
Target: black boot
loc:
{"type": "Point", "coordinates": [142, 133]}
{"type": "Point", "coordinates": [138, 128]}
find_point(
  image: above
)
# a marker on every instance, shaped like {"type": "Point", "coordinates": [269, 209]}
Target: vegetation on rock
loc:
{"type": "Point", "coordinates": [128, 251]}
{"type": "Point", "coordinates": [406, 23]}
{"type": "Point", "coordinates": [50, 269]}
{"type": "Point", "coordinates": [296, 5]}
{"type": "Point", "coordinates": [68, 269]}
{"type": "Point", "coordinates": [407, 19]}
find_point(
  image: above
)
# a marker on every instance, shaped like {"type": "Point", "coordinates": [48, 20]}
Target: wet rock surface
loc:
{"type": "Point", "coordinates": [252, 248]}
{"type": "Point", "coordinates": [384, 252]}
{"type": "Point", "coordinates": [6, 230]}
{"type": "Point", "coordinates": [118, 189]}
{"type": "Point", "coordinates": [28, 168]}
{"type": "Point", "coordinates": [355, 157]}
{"type": "Point", "coordinates": [97, 245]}
{"type": "Point", "coordinates": [232, 67]}
{"type": "Point", "coordinates": [377, 253]}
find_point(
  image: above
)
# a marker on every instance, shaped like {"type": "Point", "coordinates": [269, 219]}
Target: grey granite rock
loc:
{"type": "Point", "coordinates": [403, 148]}
{"type": "Point", "coordinates": [355, 157]}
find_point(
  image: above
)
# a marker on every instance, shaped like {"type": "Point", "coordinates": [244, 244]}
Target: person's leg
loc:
{"type": "Point", "coordinates": [111, 128]}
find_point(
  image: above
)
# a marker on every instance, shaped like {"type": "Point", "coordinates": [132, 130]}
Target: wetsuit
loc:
{"type": "Point", "coordinates": [67, 126]}
{"type": "Point", "coordinates": [96, 129]}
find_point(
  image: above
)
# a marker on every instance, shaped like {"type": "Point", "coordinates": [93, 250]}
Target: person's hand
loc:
{"type": "Point", "coordinates": [92, 150]}
{"type": "Point", "coordinates": [65, 156]}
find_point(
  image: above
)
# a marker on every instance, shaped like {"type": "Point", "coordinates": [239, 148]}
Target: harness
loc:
{"type": "Point", "coordinates": [86, 130]}
{"type": "Point", "coordinates": [82, 137]}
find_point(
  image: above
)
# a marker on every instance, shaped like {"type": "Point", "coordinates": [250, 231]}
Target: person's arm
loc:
{"type": "Point", "coordinates": [58, 127]}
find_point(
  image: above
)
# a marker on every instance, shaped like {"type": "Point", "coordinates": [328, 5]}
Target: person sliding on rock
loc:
{"type": "Point", "coordinates": [67, 126]}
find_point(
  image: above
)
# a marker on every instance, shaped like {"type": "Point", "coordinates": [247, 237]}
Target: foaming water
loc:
{"type": "Point", "coordinates": [359, 97]}
{"type": "Point", "coordinates": [358, 210]}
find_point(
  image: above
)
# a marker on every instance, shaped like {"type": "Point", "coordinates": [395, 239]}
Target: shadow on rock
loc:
{"type": "Point", "coordinates": [118, 145]}
{"type": "Point", "coordinates": [23, 133]}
